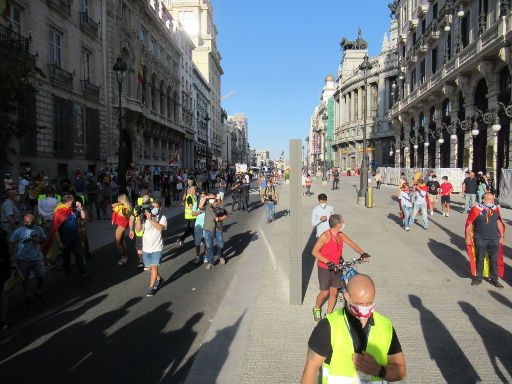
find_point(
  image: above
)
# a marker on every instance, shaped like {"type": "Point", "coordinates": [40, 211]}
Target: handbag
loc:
{"type": "Point", "coordinates": [179, 186]}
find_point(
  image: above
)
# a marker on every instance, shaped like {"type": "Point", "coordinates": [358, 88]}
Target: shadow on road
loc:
{"type": "Point", "coordinates": [443, 348]}
{"type": "Point", "coordinates": [497, 340]}
{"type": "Point", "coordinates": [395, 218]}
{"type": "Point", "coordinates": [308, 262]}
{"type": "Point", "coordinates": [212, 355]}
{"type": "Point", "coordinates": [502, 299]}
{"type": "Point", "coordinates": [237, 244]}
{"type": "Point", "coordinates": [451, 257]}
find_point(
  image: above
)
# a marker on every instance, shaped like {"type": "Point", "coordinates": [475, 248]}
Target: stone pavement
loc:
{"type": "Point", "coordinates": [449, 331]}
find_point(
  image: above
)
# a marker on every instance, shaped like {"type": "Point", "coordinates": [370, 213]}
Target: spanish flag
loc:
{"type": "Point", "coordinates": [475, 212]}
{"type": "Point", "coordinates": [120, 215]}
{"type": "Point", "coordinates": [60, 214]}
{"type": "Point", "coordinates": [140, 75]}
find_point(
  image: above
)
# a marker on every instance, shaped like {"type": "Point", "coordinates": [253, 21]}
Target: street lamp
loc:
{"type": "Point", "coordinates": [363, 181]}
{"type": "Point", "coordinates": [460, 15]}
{"type": "Point", "coordinates": [120, 68]}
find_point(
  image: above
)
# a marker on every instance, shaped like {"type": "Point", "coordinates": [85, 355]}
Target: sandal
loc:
{"type": "Point", "coordinates": [122, 260]}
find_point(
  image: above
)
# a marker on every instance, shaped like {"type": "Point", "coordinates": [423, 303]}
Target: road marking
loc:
{"type": "Point", "coordinates": [80, 362]}
{"type": "Point", "coordinates": [269, 248]}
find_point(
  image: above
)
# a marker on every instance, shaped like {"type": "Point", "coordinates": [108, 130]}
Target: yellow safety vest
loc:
{"type": "Point", "coordinates": [139, 200]}
{"type": "Point", "coordinates": [42, 197]}
{"type": "Point", "coordinates": [341, 369]}
{"type": "Point", "coordinates": [188, 210]}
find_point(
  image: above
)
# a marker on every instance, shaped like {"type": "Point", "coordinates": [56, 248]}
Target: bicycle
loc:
{"type": "Point", "coordinates": [348, 270]}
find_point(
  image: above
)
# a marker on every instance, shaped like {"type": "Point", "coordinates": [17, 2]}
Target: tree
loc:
{"type": "Point", "coordinates": [16, 91]}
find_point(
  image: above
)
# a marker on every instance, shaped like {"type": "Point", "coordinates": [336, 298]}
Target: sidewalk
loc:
{"type": "Point", "coordinates": [449, 331]}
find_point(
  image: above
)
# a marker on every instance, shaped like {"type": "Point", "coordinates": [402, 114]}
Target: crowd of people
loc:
{"type": "Point", "coordinates": [43, 223]}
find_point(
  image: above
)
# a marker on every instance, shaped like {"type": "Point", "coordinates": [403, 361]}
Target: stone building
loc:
{"type": "Point", "coordinates": [156, 107]}
{"type": "Point", "coordinates": [196, 16]}
{"type": "Point", "coordinates": [349, 105]}
{"type": "Point", "coordinates": [240, 125]}
{"type": "Point", "coordinates": [63, 39]}
{"type": "Point", "coordinates": [453, 108]}
{"type": "Point", "coordinates": [262, 157]}
{"type": "Point", "coordinates": [201, 97]}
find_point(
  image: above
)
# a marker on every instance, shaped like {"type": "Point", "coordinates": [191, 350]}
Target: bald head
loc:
{"type": "Point", "coordinates": [360, 290]}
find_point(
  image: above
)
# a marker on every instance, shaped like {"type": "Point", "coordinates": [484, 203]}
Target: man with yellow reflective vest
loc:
{"type": "Point", "coordinates": [144, 200]}
{"type": "Point", "coordinates": [189, 202]}
{"type": "Point", "coordinates": [355, 344]}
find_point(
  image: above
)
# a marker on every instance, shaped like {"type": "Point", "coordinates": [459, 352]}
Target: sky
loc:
{"type": "Point", "coordinates": [276, 54]}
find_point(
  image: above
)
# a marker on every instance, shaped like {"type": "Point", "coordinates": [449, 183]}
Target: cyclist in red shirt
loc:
{"type": "Point", "coordinates": [446, 192]}
{"type": "Point", "coordinates": [328, 252]}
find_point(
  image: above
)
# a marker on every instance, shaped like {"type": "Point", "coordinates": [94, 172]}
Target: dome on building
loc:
{"type": "Point", "coordinates": [329, 78]}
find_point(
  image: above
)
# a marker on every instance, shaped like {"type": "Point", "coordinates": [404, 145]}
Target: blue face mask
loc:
{"type": "Point", "coordinates": [489, 205]}
{"type": "Point", "coordinates": [154, 211]}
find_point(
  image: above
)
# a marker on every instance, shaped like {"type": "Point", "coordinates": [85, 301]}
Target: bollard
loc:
{"type": "Point", "coordinates": [369, 197]}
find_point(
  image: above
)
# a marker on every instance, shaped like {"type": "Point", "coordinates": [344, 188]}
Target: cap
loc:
{"type": "Point", "coordinates": [480, 173]}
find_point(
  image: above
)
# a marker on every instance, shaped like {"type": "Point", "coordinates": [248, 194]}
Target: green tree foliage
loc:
{"type": "Point", "coordinates": [16, 91]}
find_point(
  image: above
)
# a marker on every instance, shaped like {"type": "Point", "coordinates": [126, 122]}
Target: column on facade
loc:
{"type": "Point", "coordinates": [439, 123]}
{"type": "Point", "coordinates": [469, 105]}
{"type": "Point", "coordinates": [383, 95]}
{"type": "Point", "coordinates": [426, 137]}
{"type": "Point", "coordinates": [492, 137]}
{"type": "Point", "coordinates": [407, 149]}
{"type": "Point", "coordinates": [454, 148]}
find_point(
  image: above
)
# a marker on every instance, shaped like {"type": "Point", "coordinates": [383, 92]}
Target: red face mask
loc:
{"type": "Point", "coordinates": [360, 311]}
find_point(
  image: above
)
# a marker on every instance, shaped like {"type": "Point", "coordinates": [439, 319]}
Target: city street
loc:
{"type": "Point", "coordinates": [106, 330]}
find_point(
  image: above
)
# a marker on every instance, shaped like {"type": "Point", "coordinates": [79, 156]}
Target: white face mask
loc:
{"type": "Point", "coordinates": [211, 201]}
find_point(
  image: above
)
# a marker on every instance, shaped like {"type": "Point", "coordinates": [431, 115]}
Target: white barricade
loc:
{"type": "Point", "coordinates": [505, 197]}
{"type": "Point", "coordinates": [455, 175]}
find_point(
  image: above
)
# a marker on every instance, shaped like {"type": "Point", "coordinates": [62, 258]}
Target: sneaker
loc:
{"type": "Point", "coordinates": [425, 227]}
{"type": "Point", "coordinates": [496, 283]}
{"type": "Point", "coordinates": [146, 268]}
{"type": "Point", "coordinates": [140, 265]}
{"type": "Point", "coordinates": [158, 283]}
{"type": "Point", "coordinates": [151, 292]}
{"type": "Point", "coordinates": [197, 260]}
{"type": "Point", "coordinates": [222, 260]}
{"type": "Point", "coordinates": [205, 260]}
{"type": "Point", "coordinates": [407, 228]}
{"type": "Point", "coordinates": [39, 298]}
{"type": "Point", "coordinates": [476, 282]}
{"type": "Point", "coordinates": [447, 214]}
{"type": "Point", "coordinates": [209, 266]}
{"type": "Point", "coordinates": [317, 314]}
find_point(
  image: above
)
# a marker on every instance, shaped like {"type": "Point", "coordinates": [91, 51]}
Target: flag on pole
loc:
{"type": "Point", "coordinates": [140, 75]}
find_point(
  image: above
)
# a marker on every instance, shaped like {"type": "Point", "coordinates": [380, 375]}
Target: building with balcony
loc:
{"type": "Point", "coordinates": [202, 108]}
{"type": "Point", "coordinates": [67, 108]}
{"type": "Point", "coordinates": [155, 129]}
{"type": "Point", "coordinates": [350, 106]}
{"type": "Point", "coordinates": [262, 157]}
{"type": "Point", "coordinates": [240, 127]}
{"type": "Point", "coordinates": [321, 129]}
{"type": "Point", "coordinates": [196, 16]}
{"type": "Point", "coordinates": [453, 109]}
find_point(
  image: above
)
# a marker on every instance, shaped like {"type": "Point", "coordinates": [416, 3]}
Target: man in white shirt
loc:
{"type": "Point", "coordinates": [47, 206]}
{"type": "Point", "coordinates": [320, 215]}
{"type": "Point", "coordinates": [152, 244]}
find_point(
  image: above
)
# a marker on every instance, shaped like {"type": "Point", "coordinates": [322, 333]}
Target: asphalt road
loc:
{"type": "Point", "coordinates": [106, 331]}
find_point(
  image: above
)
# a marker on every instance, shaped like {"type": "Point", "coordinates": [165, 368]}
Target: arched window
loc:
{"type": "Point", "coordinates": [154, 93]}
{"type": "Point", "coordinates": [176, 106]}
{"type": "Point", "coordinates": [170, 107]}
{"type": "Point", "coordinates": [163, 103]}
{"type": "Point", "coordinates": [480, 140]}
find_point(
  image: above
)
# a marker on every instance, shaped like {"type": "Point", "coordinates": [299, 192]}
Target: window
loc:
{"type": "Point", "coordinates": [465, 29]}
{"type": "Point", "coordinates": [449, 41]}
{"type": "Point", "coordinates": [151, 43]}
{"type": "Point", "coordinates": [414, 39]}
{"type": "Point", "coordinates": [15, 18]}
{"type": "Point", "coordinates": [125, 13]}
{"type": "Point", "coordinates": [434, 60]}
{"type": "Point", "coordinates": [435, 11]}
{"type": "Point", "coordinates": [423, 26]}
{"type": "Point", "coordinates": [55, 45]}
{"type": "Point", "coordinates": [412, 83]}
{"type": "Point", "coordinates": [87, 63]}
{"type": "Point", "coordinates": [374, 98]}
{"type": "Point", "coordinates": [63, 127]}
{"type": "Point", "coordinates": [84, 6]}
{"type": "Point", "coordinates": [356, 105]}
{"type": "Point", "coordinates": [422, 71]}
{"type": "Point", "coordinates": [142, 35]}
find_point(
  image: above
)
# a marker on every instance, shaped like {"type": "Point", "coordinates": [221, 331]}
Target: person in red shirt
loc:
{"type": "Point", "coordinates": [328, 252]}
{"type": "Point", "coordinates": [446, 192]}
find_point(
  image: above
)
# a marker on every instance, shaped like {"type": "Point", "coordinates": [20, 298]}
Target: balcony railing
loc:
{"type": "Point", "coordinates": [63, 6]}
{"type": "Point", "coordinates": [13, 41]}
{"type": "Point", "coordinates": [60, 75]}
{"type": "Point", "coordinates": [88, 24]}
{"type": "Point", "coordinates": [90, 90]}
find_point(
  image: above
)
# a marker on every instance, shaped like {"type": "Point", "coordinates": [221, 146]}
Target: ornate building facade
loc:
{"type": "Point", "coordinates": [66, 112]}
{"type": "Point", "coordinates": [143, 34]}
{"type": "Point", "coordinates": [453, 106]}
{"type": "Point", "coordinates": [349, 105]}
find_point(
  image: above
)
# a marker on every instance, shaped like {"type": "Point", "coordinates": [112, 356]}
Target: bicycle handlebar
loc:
{"type": "Point", "coordinates": [360, 260]}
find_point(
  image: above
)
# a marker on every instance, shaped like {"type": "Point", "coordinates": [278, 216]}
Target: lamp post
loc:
{"type": "Point", "coordinates": [120, 68]}
{"type": "Point", "coordinates": [460, 15]}
{"type": "Point", "coordinates": [363, 181]}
